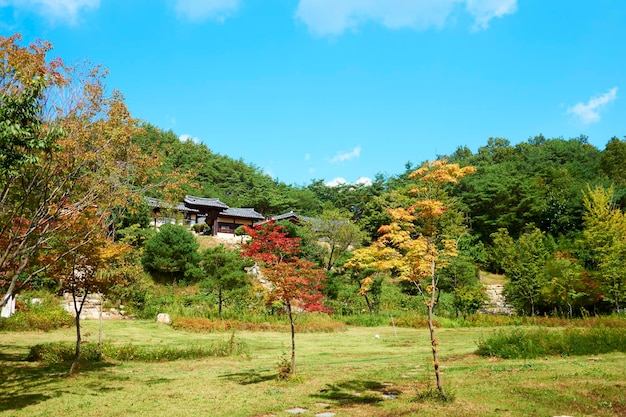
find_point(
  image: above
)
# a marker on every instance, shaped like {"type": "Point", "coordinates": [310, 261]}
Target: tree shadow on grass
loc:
{"type": "Point", "coordinates": [249, 377]}
{"type": "Point", "coordinates": [25, 383]}
{"type": "Point", "coordinates": [356, 392]}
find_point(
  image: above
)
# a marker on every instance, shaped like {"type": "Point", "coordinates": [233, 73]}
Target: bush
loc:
{"type": "Point", "coordinates": [47, 315]}
{"type": "Point", "coordinates": [367, 320]}
{"type": "Point", "coordinates": [207, 325]}
{"type": "Point", "coordinates": [534, 343]}
{"type": "Point", "coordinates": [60, 352]}
{"type": "Point", "coordinates": [414, 322]}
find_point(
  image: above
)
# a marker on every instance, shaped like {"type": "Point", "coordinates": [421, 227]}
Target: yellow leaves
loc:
{"type": "Point", "coordinates": [402, 214]}
{"type": "Point", "coordinates": [366, 284]}
{"type": "Point", "coordinates": [430, 208]}
{"type": "Point", "coordinates": [441, 172]}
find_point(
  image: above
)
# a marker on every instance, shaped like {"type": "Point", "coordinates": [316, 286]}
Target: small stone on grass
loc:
{"type": "Point", "coordinates": [296, 410]}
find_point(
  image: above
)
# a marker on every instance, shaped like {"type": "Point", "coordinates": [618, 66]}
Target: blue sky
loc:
{"type": "Point", "coordinates": [346, 89]}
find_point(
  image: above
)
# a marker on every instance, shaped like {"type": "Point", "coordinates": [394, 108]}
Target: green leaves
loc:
{"type": "Point", "coordinates": [171, 252]}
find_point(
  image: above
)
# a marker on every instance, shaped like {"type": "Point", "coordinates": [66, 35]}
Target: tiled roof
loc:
{"type": "Point", "coordinates": [208, 202]}
{"type": "Point", "coordinates": [291, 214]}
{"type": "Point", "coordinates": [156, 203]}
{"type": "Point", "coordinates": [247, 213]}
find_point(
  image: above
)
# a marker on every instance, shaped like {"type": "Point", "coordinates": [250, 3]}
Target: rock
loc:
{"type": "Point", "coordinates": [164, 318]}
{"type": "Point", "coordinates": [296, 410]}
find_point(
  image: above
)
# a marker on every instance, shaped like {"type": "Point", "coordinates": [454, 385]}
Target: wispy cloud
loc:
{"type": "Point", "coordinates": [55, 10]}
{"type": "Point", "coordinates": [590, 112]}
{"type": "Point", "coordinates": [200, 10]}
{"type": "Point", "coordinates": [188, 138]}
{"type": "Point", "coordinates": [332, 17]}
{"type": "Point", "coordinates": [485, 10]}
{"type": "Point", "coordinates": [346, 156]}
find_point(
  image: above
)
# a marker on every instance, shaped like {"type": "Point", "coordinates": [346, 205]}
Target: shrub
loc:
{"type": "Point", "coordinates": [528, 344]}
{"type": "Point", "coordinates": [45, 316]}
{"type": "Point", "coordinates": [207, 325]}
{"type": "Point", "coordinates": [60, 352]}
{"type": "Point", "coordinates": [414, 321]}
{"type": "Point", "coordinates": [284, 367]}
{"type": "Point", "coordinates": [367, 320]}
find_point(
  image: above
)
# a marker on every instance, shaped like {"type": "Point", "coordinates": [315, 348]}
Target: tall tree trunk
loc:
{"type": "Point", "coordinates": [293, 339]}
{"type": "Point", "coordinates": [431, 328]}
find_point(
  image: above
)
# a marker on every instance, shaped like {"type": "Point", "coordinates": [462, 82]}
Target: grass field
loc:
{"type": "Point", "coordinates": [349, 373]}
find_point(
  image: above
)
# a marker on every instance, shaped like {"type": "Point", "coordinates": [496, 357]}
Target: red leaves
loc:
{"type": "Point", "coordinates": [297, 282]}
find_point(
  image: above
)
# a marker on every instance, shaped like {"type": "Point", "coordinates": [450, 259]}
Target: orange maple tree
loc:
{"type": "Point", "coordinates": [82, 263]}
{"type": "Point", "coordinates": [420, 239]}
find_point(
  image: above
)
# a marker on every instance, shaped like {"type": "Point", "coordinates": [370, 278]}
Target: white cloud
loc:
{"type": "Point", "coordinates": [364, 181]}
{"type": "Point", "coordinates": [333, 17]}
{"type": "Point", "coordinates": [63, 10]}
{"type": "Point", "coordinates": [485, 10]}
{"type": "Point", "coordinates": [336, 182]}
{"type": "Point", "coordinates": [590, 112]}
{"type": "Point", "coordinates": [307, 156]}
{"type": "Point", "coordinates": [188, 138]}
{"type": "Point", "coordinates": [198, 10]}
{"type": "Point", "coordinates": [346, 156]}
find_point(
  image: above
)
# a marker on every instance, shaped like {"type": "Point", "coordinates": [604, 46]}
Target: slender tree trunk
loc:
{"type": "Point", "coordinates": [100, 327]}
{"type": "Point", "coordinates": [369, 305]}
{"type": "Point", "coordinates": [330, 258]}
{"type": "Point", "coordinates": [293, 339]}
{"type": "Point", "coordinates": [431, 328]}
{"type": "Point", "coordinates": [78, 308]}
{"type": "Point", "coordinates": [220, 301]}
{"type": "Point", "coordinates": [456, 296]}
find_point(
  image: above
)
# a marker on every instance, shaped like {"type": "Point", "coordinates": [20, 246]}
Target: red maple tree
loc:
{"type": "Point", "coordinates": [295, 282]}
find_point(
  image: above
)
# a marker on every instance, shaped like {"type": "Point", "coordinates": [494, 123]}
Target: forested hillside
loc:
{"type": "Point", "coordinates": [532, 203]}
{"type": "Point", "coordinates": [540, 182]}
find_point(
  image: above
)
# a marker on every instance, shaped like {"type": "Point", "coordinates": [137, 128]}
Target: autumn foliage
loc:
{"type": "Point", "coordinates": [294, 282]}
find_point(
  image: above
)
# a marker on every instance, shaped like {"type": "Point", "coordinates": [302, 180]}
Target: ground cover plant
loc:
{"type": "Point", "coordinates": [537, 342]}
{"type": "Point", "coordinates": [43, 315]}
{"type": "Point", "coordinates": [350, 373]}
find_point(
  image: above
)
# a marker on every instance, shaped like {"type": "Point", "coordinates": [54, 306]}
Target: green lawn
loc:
{"type": "Point", "coordinates": [349, 373]}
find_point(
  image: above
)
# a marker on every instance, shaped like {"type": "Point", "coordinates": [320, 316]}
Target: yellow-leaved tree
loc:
{"type": "Point", "coordinates": [420, 239]}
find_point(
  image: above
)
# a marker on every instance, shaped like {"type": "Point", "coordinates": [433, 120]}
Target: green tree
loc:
{"type": "Point", "coordinates": [336, 233]}
{"type": "Point", "coordinates": [171, 252]}
{"type": "Point", "coordinates": [225, 273]}
{"type": "Point", "coordinates": [605, 239]}
{"type": "Point", "coordinates": [524, 262]}
{"type": "Point", "coordinates": [613, 158]}
{"type": "Point", "coordinates": [565, 288]}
